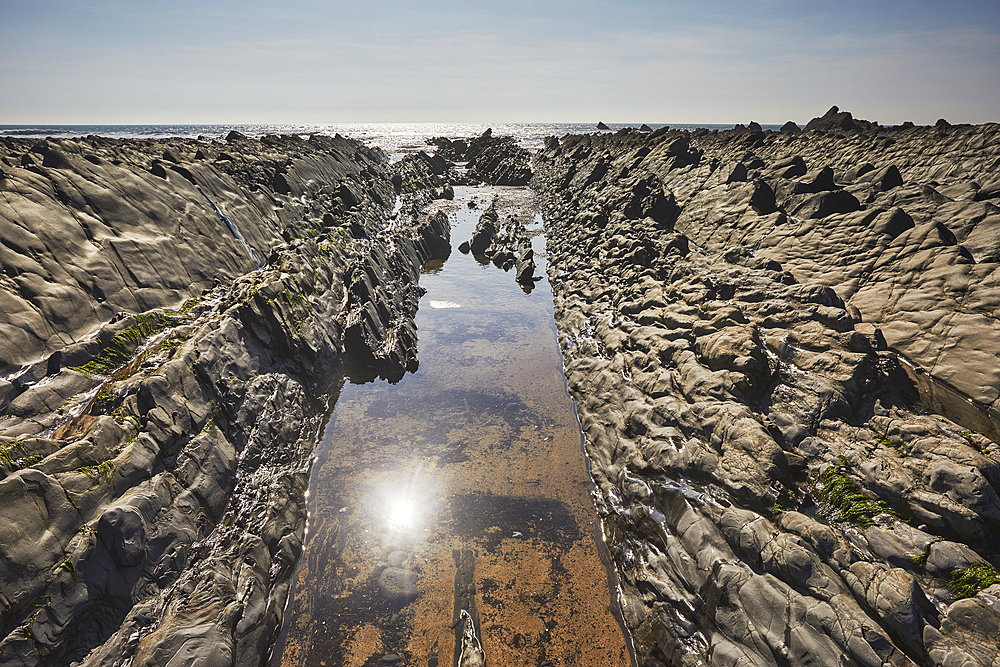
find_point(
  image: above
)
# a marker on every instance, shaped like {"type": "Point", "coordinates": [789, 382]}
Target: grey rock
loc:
{"type": "Point", "coordinates": [833, 120]}
{"type": "Point", "coordinates": [727, 392]}
{"type": "Point", "coordinates": [208, 431]}
{"type": "Point", "coordinates": [498, 161]}
{"type": "Point", "coordinates": [945, 557]}
{"type": "Point", "coordinates": [123, 532]}
{"type": "Point", "coordinates": [885, 179]}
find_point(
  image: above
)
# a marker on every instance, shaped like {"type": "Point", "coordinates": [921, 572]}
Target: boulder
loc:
{"type": "Point", "coordinates": [124, 534]}
{"type": "Point", "coordinates": [833, 120]}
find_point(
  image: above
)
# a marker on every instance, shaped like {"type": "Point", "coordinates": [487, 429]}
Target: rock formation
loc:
{"type": "Point", "coordinates": [733, 309]}
{"type": "Point", "coordinates": [505, 243]}
{"type": "Point", "coordinates": [783, 347]}
{"type": "Point", "coordinates": [175, 316]}
{"type": "Point", "coordinates": [488, 160]}
{"type": "Point", "coordinates": [497, 161]}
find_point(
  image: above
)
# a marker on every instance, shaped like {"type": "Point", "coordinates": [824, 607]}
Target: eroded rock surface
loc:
{"type": "Point", "coordinates": [175, 316]}
{"type": "Point", "coordinates": [489, 160]}
{"type": "Point", "coordinates": [770, 491]}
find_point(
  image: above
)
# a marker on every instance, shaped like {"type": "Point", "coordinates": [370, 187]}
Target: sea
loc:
{"type": "Point", "coordinates": [395, 139]}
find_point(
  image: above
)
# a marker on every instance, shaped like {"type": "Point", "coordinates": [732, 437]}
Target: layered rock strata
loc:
{"type": "Point", "coordinates": [177, 316]}
{"type": "Point", "coordinates": [771, 492]}
{"type": "Point", "coordinates": [489, 160]}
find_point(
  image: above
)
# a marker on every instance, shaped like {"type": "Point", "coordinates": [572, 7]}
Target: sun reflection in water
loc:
{"type": "Point", "coordinates": [405, 506]}
{"type": "Point", "coordinates": [401, 512]}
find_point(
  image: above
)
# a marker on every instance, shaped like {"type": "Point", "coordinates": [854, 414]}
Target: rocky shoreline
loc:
{"type": "Point", "coordinates": [783, 347]}
{"type": "Point", "coordinates": [155, 461]}
{"type": "Point", "coordinates": [772, 491]}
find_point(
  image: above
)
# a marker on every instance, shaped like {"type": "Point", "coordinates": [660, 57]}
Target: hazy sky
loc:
{"type": "Point", "coordinates": [307, 61]}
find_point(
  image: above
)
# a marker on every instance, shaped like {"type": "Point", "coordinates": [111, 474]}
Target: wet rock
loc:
{"type": "Point", "coordinates": [397, 585]}
{"type": "Point", "coordinates": [525, 267]}
{"type": "Point", "coordinates": [485, 230]}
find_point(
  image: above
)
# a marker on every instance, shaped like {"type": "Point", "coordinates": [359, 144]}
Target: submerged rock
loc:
{"type": "Point", "coordinates": [397, 585]}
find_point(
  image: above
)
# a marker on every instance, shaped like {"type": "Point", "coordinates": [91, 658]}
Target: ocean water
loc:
{"type": "Point", "coordinates": [396, 139]}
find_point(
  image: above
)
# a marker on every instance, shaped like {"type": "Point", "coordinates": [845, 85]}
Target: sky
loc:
{"type": "Point", "coordinates": [309, 61]}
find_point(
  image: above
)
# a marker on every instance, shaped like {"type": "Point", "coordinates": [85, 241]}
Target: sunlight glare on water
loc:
{"type": "Point", "coordinates": [401, 512]}
{"type": "Point", "coordinates": [444, 304]}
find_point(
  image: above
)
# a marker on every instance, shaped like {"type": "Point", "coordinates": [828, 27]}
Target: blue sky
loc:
{"type": "Point", "coordinates": [305, 61]}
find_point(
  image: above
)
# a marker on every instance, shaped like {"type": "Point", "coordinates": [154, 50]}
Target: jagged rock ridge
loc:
{"type": "Point", "coordinates": [770, 491]}
{"type": "Point", "coordinates": [154, 473]}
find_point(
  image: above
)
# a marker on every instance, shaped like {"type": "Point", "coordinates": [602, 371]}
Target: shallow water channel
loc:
{"type": "Point", "coordinates": [456, 502]}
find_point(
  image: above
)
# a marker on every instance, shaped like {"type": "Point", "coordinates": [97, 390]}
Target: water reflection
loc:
{"type": "Point", "coordinates": [405, 508]}
{"type": "Point", "coordinates": [401, 512]}
{"type": "Point", "coordinates": [459, 493]}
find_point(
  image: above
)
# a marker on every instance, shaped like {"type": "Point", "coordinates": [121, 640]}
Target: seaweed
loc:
{"type": "Point", "coordinates": [8, 453]}
{"type": "Point", "coordinates": [99, 470]}
{"type": "Point", "coordinates": [881, 439]}
{"type": "Point", "coordinates": [13, 456]}
{"type": "Point", "coordinates": [921, 559]}
{"type": "Point", "coordinates": [68, 565]}
{"type": "Point", "coordinates": [965, 583]}
{"type": "Point", "coordinates": [120, 349]}
{"type": "Point", "coordinates": [848, 501]}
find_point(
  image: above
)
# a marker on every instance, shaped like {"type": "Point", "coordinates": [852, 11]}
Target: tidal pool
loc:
{"type": "Point", "coordinates": [453, 508]}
